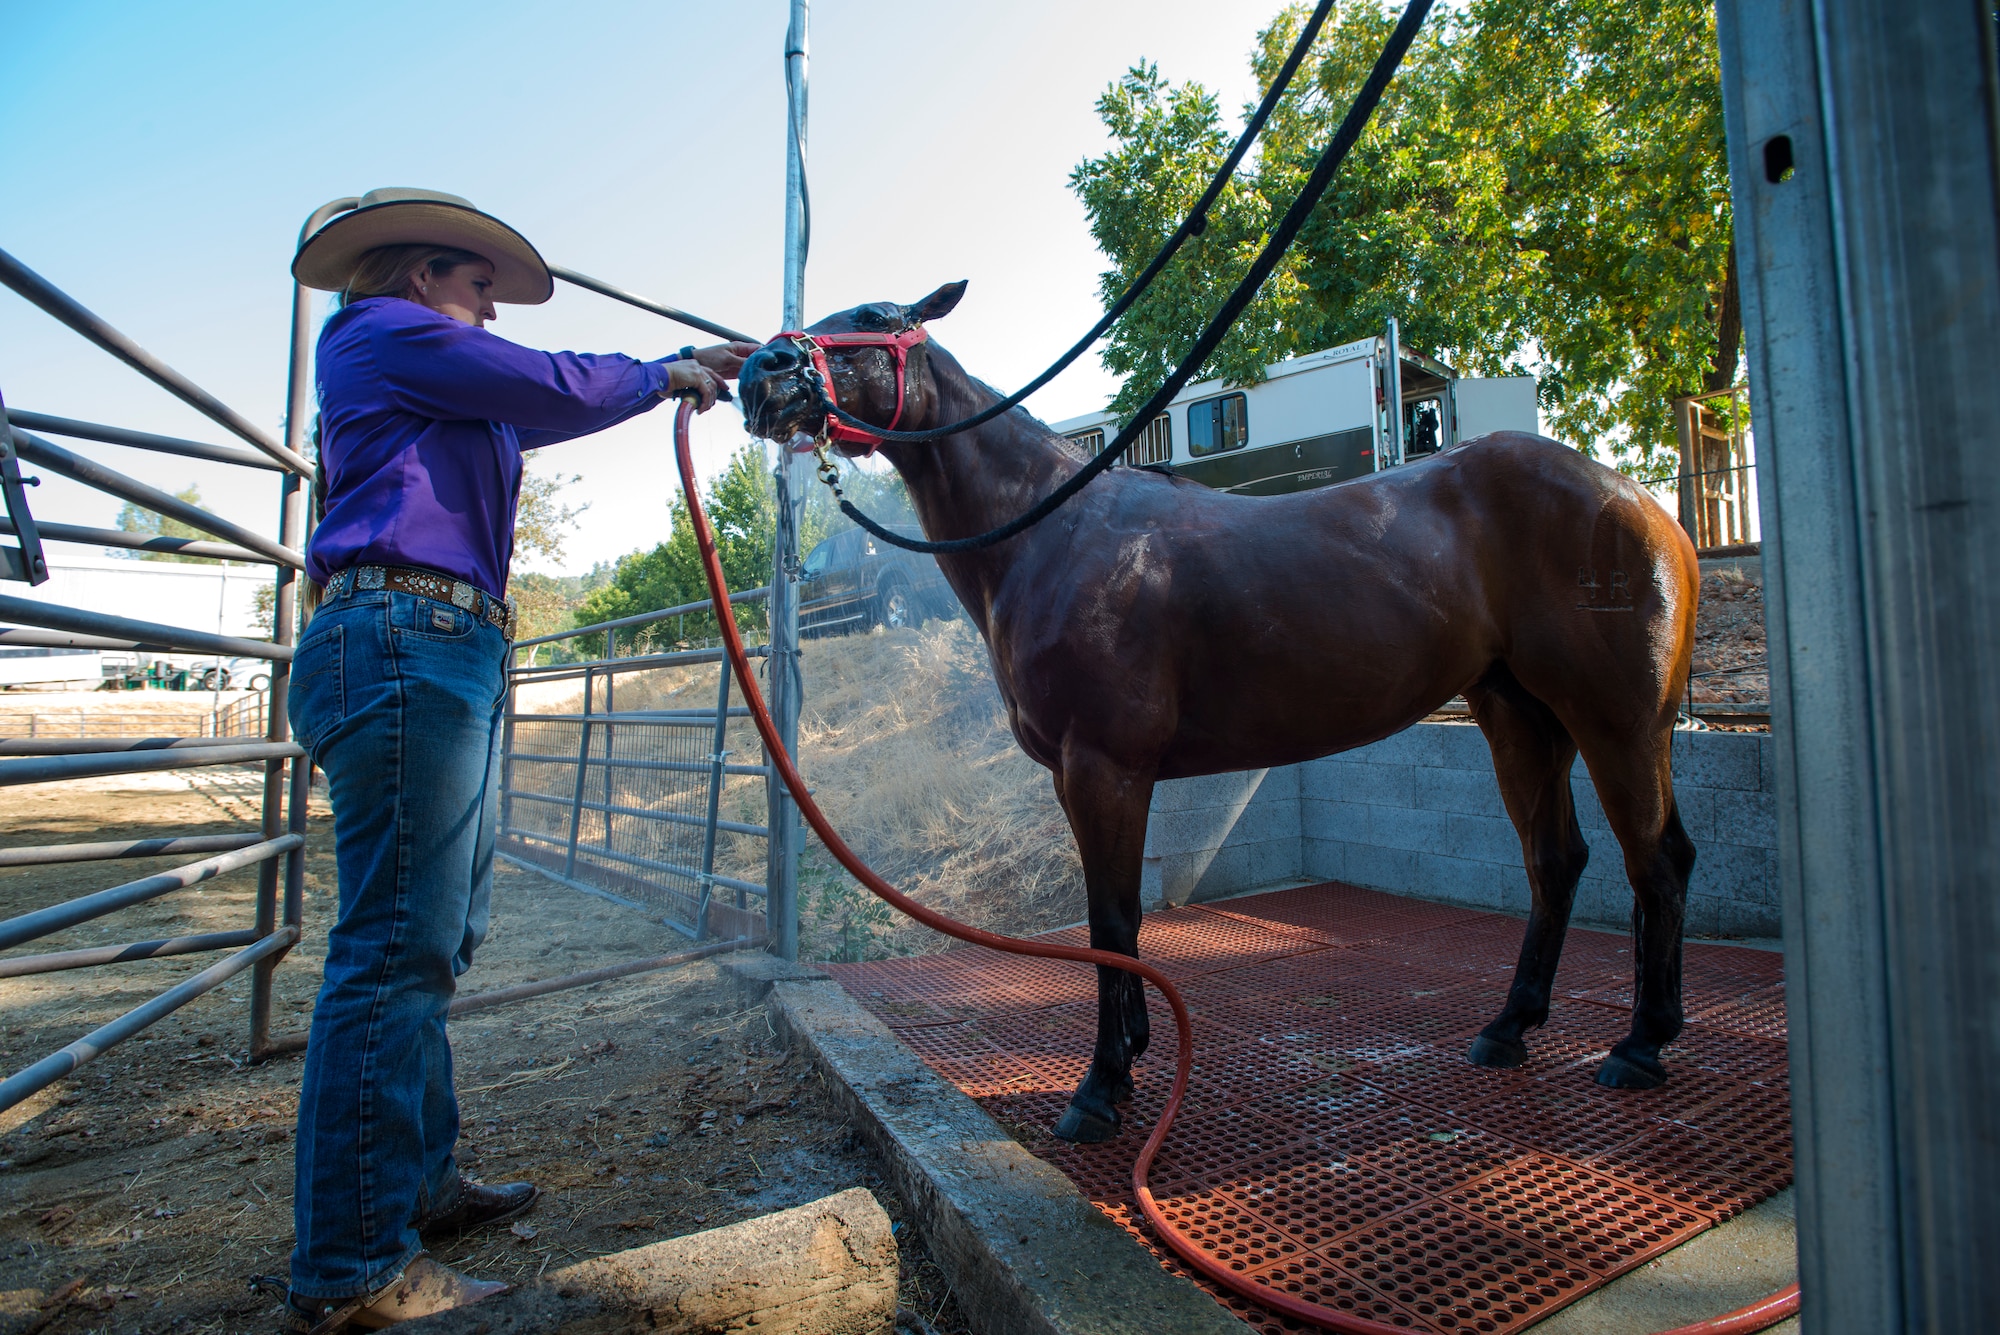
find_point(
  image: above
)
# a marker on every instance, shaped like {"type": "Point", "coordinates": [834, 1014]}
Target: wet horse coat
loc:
{"type": "Point", "coordinates": [1155, 629]}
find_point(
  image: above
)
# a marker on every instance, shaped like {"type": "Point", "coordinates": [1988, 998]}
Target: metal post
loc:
{"type": "Point", "coordinates": [610, 733]}
{"type": "Point", "coordinates": [1863, 171]}
{"type": "Point", "coordinates": [507, 753]}
{"type": "Point", "coordinates": [1392, 392]}
{"type": "Point", "coordinates": [582, 769]}
{"type": "Point", "coordinates": [293, 501]}
{"type": "Point", "coordinates": [787, 695]}
{"type": "Point", "coordinates": [25, 562]}
{"type": "Point", "coordinates": [717, 754]}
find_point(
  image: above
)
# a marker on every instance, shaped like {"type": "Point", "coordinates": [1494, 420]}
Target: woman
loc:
{"type": "Point", "coordinates": [397, 690]}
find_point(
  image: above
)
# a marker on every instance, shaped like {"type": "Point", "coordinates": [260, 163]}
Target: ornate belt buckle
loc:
{"type": "Point", "coordinates": [463, 594]}
{"type": "Point", "coordinates": [370, 577]}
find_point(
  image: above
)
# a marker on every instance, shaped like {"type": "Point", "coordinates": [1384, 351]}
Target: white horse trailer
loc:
{"type": "Point", "coordinates": [51, 669]}
{"type": "Point", "coordinates": [1319, 419]}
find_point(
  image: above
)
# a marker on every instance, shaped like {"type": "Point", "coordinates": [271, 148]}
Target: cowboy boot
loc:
{"type": "Point", "coordinates": [423, 1289]}
{"type": "Point", "coordinates": [478, 1205]}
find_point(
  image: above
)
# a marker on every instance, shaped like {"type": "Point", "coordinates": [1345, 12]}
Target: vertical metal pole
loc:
{"type": "Point", "coordinates": [1392, 390]}
{"type": "Point", "coordinates": [507, 754]}
{"type": "Point", "coordinates": [582, 768]}
{"type": "Point", "coordinates": [293, 499]}
{"type": "Point", "coordinates": [300, 801]}
{"type": "Point", "coordinates": [610, 740]}
{"type": "Point", "coordinates": [1862, 146]}
{"type": "Point", "coordinates": [787, 694]}
{"type": "Point", "coordinates": [716, 756]}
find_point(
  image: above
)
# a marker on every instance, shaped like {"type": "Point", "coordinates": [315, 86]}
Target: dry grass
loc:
{"type": "Point", "coordinates": [905, 742]}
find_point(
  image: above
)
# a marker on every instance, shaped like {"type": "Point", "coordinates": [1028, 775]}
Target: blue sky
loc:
{"type": "Point", "coordinates": [159, 159]}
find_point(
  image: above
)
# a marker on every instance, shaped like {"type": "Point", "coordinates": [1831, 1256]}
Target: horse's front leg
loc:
{"type": "Point", "coordinates": [1107, 804]}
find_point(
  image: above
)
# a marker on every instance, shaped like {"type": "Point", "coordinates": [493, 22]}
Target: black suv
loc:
{"type": "Point", "coordinates": [852, 582]}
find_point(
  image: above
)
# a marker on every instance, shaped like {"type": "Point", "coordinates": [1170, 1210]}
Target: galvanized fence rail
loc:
{"type": "Point", "coordinates": [627, 804]}
{"type": "Point", "coordinates": [276, 849]}
{"type": "Point", "coordinates": [248, 716]}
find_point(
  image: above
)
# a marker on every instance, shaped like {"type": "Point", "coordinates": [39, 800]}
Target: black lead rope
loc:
{"type": "Point", "coordinates": [1193, 225]}
{"type": "Point", "coordinates": [1260, 269]}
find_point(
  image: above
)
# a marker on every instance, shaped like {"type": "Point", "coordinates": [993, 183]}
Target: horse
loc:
{"type": "Point", "coordinates": [1153, 628]}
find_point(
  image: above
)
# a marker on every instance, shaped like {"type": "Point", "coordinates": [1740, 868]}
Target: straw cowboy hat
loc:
{"type": "Point", "coordinates": [399, 216]}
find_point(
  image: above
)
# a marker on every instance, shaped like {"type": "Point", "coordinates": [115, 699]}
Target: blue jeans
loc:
{"type": "Point", "coordinates": [399, 699]}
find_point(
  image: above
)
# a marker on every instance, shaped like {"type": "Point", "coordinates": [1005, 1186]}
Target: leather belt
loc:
{"type": "Point", "coordinates": [427, 584]}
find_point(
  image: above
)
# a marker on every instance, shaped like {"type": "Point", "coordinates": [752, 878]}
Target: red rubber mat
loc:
{"type": "Point", "coordinates": [1336, 1144]}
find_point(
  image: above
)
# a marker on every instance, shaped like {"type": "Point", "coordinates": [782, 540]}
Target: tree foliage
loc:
{"type": "Point", "coordinates": [1544, 189]}
{"type": "Point", "coordinates": [548, 603]}
{"type": "Point", "coordinates": [541, 520]}
{"type": "Point", "coordinates": [137, 519]}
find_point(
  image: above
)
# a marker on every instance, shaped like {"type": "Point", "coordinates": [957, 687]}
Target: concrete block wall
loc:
{"type": "Point", "coordinates": [1220, 834]}
{"type": "Point", "coordinates": [1420, 814]}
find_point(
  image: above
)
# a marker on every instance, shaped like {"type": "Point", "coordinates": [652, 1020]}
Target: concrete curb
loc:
{"type": "Point", "coordinates": [1024, 1250]}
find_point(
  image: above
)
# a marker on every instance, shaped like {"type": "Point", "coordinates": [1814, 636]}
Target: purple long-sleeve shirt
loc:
{"type": "Point", "coordinates": [422, 422]}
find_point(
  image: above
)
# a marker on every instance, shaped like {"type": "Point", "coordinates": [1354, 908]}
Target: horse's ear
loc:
{"type": "Point", "coordinates": [937, 305]}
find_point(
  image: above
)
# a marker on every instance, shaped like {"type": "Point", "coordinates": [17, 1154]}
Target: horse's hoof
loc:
{"type": "Point", "coordinates": [1498, 1053]}
{"type": "Point", "coordinates": [1080, 1126]}
{"type": "Point", "coordinates": [1631, 1073]}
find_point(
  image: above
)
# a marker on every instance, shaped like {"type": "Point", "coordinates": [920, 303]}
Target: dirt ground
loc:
{"type": "Point", "coordinates": [151, 1192]}
{"type": "Point", "coordinates": [1730, 654]}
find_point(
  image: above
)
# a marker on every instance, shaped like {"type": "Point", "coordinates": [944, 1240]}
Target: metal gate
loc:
{"type": "Point", "coordinates": [626, 804]}
{"type": "Point", "coordinates": [277, 848]}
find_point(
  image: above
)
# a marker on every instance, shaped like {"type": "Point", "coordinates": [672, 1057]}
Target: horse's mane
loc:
{"type": "Point", "coordinates": [1062, 443]}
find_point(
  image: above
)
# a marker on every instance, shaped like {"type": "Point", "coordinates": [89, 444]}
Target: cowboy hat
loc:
{"type": "Point", "coordinates": [399, 216]}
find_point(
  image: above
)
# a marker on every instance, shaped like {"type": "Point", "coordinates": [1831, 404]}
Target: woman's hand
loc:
{"type": "Point", "coordinates": [692, 377]}
{"type": "Point", "coordinates": [725, 359]}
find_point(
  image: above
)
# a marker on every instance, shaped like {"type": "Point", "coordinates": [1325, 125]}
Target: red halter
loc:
{"type": "Point", "coordinates": [899, 346]}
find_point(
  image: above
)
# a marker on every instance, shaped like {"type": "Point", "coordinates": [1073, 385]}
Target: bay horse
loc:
{"type": "Point", "coordinates": [1155, 629]}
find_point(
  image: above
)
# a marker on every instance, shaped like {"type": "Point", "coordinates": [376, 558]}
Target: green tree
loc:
{"type": "Point", "coordinates": [541, 520]}
{"type": "Point", "coordinates": [137, 519]}
{"type": "Point", "coordinates": [742, 506]}
{"type": "Point", "coordinates": [1544, 189]}
{"type": "Point", "coordinates": [548, 603]}
{"type": "Point", "coordinates": [264, 610]}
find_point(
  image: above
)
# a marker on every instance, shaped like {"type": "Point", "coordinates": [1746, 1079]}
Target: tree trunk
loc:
{"type": "Point", "coordinates": [1721, 372]}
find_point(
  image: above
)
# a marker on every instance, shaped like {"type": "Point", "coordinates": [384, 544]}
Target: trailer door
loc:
{"type": "Point", "coordinates": [1503, 403]}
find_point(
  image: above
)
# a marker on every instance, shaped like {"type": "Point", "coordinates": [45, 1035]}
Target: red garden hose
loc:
{"type": "Point", "coordinates": [1755, 1317]}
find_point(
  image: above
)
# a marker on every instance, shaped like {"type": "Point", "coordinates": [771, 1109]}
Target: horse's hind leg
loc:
{"type": "Point", "coordinates": [1635, 782]}
{"type": "Point", "coordinates": [1532, 755]}
{"type": "Point", "coordinates": [1107, 805]}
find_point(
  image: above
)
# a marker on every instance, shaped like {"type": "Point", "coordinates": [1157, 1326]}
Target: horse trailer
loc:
{"type": "Point", "coordinates": [1319, 419]}
{"type": "Point", "coordinates": [51, 669]}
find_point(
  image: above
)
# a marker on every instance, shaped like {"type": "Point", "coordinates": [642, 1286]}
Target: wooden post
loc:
{"type": "Point", "coordinates": [828, 1268]}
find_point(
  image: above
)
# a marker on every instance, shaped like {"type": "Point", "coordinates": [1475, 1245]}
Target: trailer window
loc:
{"type": "Point", "coordinates": [1155, 444]}
{"type": "Point", "coordinates": [1215, 425]}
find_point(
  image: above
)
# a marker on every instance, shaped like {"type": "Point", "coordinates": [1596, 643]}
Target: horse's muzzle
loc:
{"type": "Point", "coordinates": [778, 402]}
